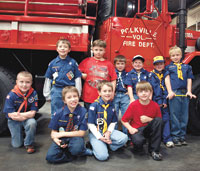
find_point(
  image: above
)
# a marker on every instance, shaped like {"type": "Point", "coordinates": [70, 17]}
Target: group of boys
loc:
{"type": "Point", "coordinates": [107, 89]}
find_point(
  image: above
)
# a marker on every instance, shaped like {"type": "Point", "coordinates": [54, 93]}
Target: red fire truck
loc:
{"type": "Point", "coordinates": [29, 30]}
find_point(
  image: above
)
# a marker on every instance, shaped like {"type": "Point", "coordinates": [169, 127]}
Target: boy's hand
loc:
{"type": "Point", "coordinates": [84, 76]}
{"type": "Point", "coordinates": [57, 141]}
{"type": "Point", "coordinates": [64, 146]}
{"type": "Point", "coordinates": [164, 105]}
{"type": "Point", "coordinates": [13, 115]}
{"type": "Point", "coordinates": [145, 119]}
{"type": "Point", "coordinates": [107, 135]}
{"type": "Point", "coordinates": [171, 95]}
{"type": "Point", "coordinates": [191, 95]}
{"type": "Point", "coordinates": [16, 116]}
{"type": "Point", "coordinates": [133, 130]}
{"type": "Point", "coordinates": [105, 140]}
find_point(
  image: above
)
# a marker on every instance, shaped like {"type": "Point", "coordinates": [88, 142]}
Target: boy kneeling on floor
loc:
{"type": "Point", "coordinates": [143, 120]}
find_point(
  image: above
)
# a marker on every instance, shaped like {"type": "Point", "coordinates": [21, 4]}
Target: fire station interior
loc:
{"type": "Point", "coordinates": [174, 159]}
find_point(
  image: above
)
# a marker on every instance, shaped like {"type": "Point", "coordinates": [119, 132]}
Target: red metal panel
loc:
{"type": "Point", "coordinates": [43, 7]}
{"type": "Point", "coordinates": [130, 37]}
{"type": "Point", "coordinates": [38, 40]}
{"type": "Point", "coordinates": [72, 21]}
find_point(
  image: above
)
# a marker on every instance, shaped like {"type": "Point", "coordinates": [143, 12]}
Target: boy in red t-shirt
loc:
{"type": "Point", "coordinates": [143, 120]}
{"type": "Point", "coordinates": [95, 69]}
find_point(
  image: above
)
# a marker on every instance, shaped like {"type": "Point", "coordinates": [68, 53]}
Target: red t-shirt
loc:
{"type": "Point", "coordinates": [96, 70]}
{"type": "Point", "coordinates": [136, 109]}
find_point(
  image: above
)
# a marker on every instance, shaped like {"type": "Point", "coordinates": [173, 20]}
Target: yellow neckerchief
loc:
{"type": "Point", "coordinates": [105, 126]}
{"type": "Point", "coordinates": [179, 71]}
{"type": "Point", "coordinates": [160, 77]}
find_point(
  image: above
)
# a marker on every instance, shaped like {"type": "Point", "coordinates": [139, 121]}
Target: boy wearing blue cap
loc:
{"type": "Point", "coordinates": [137, 74]}
{"type": "Point", "coordinates": [62, 71]}
{"type": "Point", "coordinates": [157, 79]}
{"type": "Point", "coordinates": [68, 126]}
{"type": "Point", "coordinates": [180, 90]}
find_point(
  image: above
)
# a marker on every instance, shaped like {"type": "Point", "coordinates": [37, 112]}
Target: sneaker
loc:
{"type": "Point", "coordinates": [169, 144]}
{"type": "Point", "coordinates": [183, 142]}
{"type": "Point", "coordinates": [156, 156]}
{"type": "Point", "coordinates": [30, 149]}
{"type": "Point", "coordinates": [177, 143]}
{"type": "Point", "coordinates": [87, 152]}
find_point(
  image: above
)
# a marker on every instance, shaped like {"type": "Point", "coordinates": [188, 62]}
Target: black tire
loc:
{"type": "Point", "coordinates": [7, 81]}
{"type": "Point", "coordinates": [194, 109]}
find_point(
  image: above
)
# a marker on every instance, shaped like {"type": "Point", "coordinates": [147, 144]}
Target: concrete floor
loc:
{"type": "Point", "coordinates": [176, 159]}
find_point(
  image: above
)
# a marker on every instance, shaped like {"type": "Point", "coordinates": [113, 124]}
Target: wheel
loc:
{"type": "Point", "coordinates": [194, 109]}
{"type": "Point", "coordinates": [7, 81]}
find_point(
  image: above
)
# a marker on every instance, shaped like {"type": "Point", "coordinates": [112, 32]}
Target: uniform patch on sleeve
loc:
{"type": "Point", "coordinates": [113, 109]}
{"type": "Point", "coordinates": [92, 107]}
{"type": "Point", "coordinates": [36, 97]}
{"type": "Point", "coordinates": [8, 97]}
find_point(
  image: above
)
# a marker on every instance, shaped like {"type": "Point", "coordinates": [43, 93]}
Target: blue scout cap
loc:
{"type": "Point", "coordinates": [138, 57]}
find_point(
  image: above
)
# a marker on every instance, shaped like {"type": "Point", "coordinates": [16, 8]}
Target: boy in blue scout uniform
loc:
{"type": "Point", "coordinates": [62, 71]}
{"type": "Point", "coordinates": [179, 90]}
{"type": "Point", "coordinates": [121, 99]}
{"type": "Point", "coordinates": [137, 74]}
{"type": "Point", "coordinates": [20, 109]}
{"type": "Point", "coordinates": [101, 123]}
{"type": "Point", "coordinates": [157, 79]}
{"type": "Point", "coordinates": [68, 126]}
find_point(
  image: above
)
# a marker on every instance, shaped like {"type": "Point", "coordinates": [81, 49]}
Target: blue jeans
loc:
{"type": "Point", "coordinates": [100, 149]}
{"type": "Point", "coordinates": [121, 102]}
{"type": "Point", "coordinates": [15, 128]}
{"type": "Point", "coordinates": [179, 116]}
{"type": "Point", "coordinates": [56, 154]}
{"type": "Point", "coordinates": [56, 99]}
{"type": "Point", "coordinates": [166, 127]}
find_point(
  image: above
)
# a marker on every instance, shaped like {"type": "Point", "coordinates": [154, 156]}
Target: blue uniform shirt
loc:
{"type": "Point", "coordinates": [159, 94]}
{"type": "Point", "coordinates": [13, 102]}
{"type": "Point", "coordinates": [97, 111]}
{"type": "Point", "coordinates": [132, 78]}
{"type": "Point", "coordinates": [120, 86]}
{"type": "Point", "coordinates": [61, 119]}
{"type": "Point", "coordinates": [66, 69]}
{"type": "Point", "coordinates": [177, 83]}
